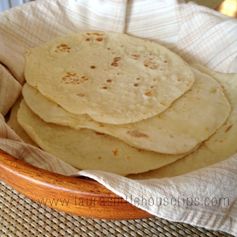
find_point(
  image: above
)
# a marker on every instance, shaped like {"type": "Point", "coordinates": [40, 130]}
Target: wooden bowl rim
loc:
{"type": "Point", "coordinates": [48, 183]}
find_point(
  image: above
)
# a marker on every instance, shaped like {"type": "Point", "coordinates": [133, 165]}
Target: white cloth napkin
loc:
{"type": "Point", "coordinates": [197, 33]}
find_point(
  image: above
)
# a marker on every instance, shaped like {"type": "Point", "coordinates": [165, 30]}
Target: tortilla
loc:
{"type": "Point", "coordinates": [86, 149]}
{"type": "Point", "coordinates": [219, 147]}
{"type": "Point", "coordinates": [188, 122]}
{"type": "Point", "coordinates": [13, 123]}
{"type": "Point", "coordinates": [112, 77]}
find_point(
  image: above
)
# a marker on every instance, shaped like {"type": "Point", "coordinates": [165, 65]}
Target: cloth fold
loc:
{"type": "Point", "coordinates": [197, 33]}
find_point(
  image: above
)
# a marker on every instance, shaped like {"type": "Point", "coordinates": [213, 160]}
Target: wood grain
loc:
{"type": "Point", "coordinates": [79, 196]}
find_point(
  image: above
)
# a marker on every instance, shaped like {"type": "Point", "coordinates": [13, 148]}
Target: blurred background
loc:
{"type": "Point", "coordinates": [5, 4]}
{"type": "Point", "coordinates": [227, 7]}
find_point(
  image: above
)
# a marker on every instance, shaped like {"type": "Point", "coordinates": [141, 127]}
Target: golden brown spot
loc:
{"type": "Point", "coordinates": [63, 48]}
{"type": "Point", "coordinates": [136, 133]}
{"type": "Point", "coordinates": [73, 78]}
{"type": "Point", "coordinates": [138, 78]}
{"type": "Point", "coordinates": [99, 133]}
{"type": "Point", "coordinates": [115, 61]}
{"type": "Point", "coordinates": [104, 87]}
{"type": "Point", "coordinates": [148, 93]}
{"type": "Point", "coordinates": [136, 56]}
{"type": "Point", "coordinates": [99, 157]}
{"type": "Point", "coordinates": [80, 94]}
{"type": "Point", "coordinates": [150, 63]}
{"type": "Point", "coordinates": [136, 84]}
{"type": "Point", "coordinates": [165, 61]}
{"type": "Point", "coordinates": [109, 80]}
{"type": "Point", "coordinates": [93, 66]}
{"type": "Point", "coordinates": [99, 39]}
{"type": "Point", "coordinates": [151, 87]}
{"type": "Point", "coordinates": [228, 128]}
{"type": "Point", "coordinates": [114, 64]}
{"type": "Point", "coordinates": [101, 125]}
{"type": "Point", "coordinates": [115, 152]}
{"type": "Point", "coordinates": [87, 39]}
{"type": "Point", "coordinates": [108, 48]}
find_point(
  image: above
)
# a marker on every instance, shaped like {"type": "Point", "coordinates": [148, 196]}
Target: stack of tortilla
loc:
{"type": "Point", "coordinates": [112, 102]}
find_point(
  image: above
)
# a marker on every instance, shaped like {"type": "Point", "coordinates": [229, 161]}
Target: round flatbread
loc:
{"type": "Point", "coordinates": [188, 122]}
{"type": "Point", "coordinates": [113, 77]}
{"type": "Point", "coordinates": [86, 149]}
{"type": "Point", "coordinates": [13, 123]}
{"type": "Point", "coordinates": [220, 146]}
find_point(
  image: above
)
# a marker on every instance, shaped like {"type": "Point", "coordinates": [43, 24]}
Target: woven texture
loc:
{"type": "Point", "coordinates": [21, 217]}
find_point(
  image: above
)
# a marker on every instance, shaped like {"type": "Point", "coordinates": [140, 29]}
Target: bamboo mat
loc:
{"type": "Point", "coordinates": [21, 217]}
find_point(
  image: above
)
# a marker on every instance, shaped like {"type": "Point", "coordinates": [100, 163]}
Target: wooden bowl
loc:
{"type": "Point", "coordinates": [80, 196]}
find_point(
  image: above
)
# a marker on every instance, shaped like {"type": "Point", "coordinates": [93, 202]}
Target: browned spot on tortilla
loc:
{"type": "Point", "coordinates": [136, 56]}
{"type": "Point", "coordinates": [99, 39]}
{"type": "Point", "coordinates": [115, 152]}
{"type": "Point", "coordinates": [136, 84]}
{"type": "Point", "coordinates": [105, 87]}
{"type": "Point", "coordinates": [74, 78]}
{"type": "Point", "coordinates": [99, 157]}
{"type": "Point", "coordinates": [101, 125]}
{"type": "Point", "coordinates": [114, 64]}
{"type": "Point", "coordinates": [99, 133]}
{"type": "Point", "coordinates": [93, 66]}
{"type": "Point", "coordinates": [108, 48]}
{"type": "Point", "coordinates": [71, 73]}
{"type": "Point", "coordinates": [80, 94]}
{"type": "Point", "coordinates": [148, 93]}
{"type": "Point", "coordinates": [115, 61]}
{"type": "Point", "coordinates": [150, 63]}
{"type": "Point", "coordinates": [87, 39]}
{"type": "Point", "coordinates": [63, 48]}
{"type": "Point", "coordinates": [109, 80]}
{"type": "Point", "coordinates": [228, 128]}
{"type": "Point", "coordinates": [136, 133]}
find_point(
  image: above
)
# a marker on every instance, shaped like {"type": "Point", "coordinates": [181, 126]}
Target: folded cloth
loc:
{"type": "Point", "coordinates": [197, 33]}
{"type": "Point", "coordinates": [10, 89]}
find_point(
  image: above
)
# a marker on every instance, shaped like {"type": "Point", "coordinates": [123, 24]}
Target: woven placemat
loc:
{"type": "Point", "coordinates": [21, 217]}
